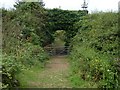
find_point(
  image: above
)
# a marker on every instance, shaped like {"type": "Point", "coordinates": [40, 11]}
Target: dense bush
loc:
{"type": "Point", "coordinates": [31, 17]}
{"type": "Point", "coordinates": [22, 39]}
{"type": "Point", "coordinates": [31, 55]}
{"type": "Point", "coordinates": [58, 19]}
{"type": "Point", "coordinates": [27, 56]}
{"type": "Point", "coordinates": [94, 51]}
{"type": "Point", "coordinates": [10, 66]}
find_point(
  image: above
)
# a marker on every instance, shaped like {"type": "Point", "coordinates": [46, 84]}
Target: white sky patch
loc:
{"type": "Point", "coordinates": [7, 3]}
{"type": "Point", "coordinates": [64, 4]}
{"type": "Point", "coordinates": [100, 5]}
{"type": "Point", "coordinates": [103, 5]}
{"type": "Point", "coordinates": [93, 5]}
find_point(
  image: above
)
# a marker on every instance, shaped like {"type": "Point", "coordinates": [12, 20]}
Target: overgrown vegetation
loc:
{"type": "Point", "coordinates": [26, 30]}
{"type": "Point", "coordinates": [23, 36]}
{"type": "Point", "coordinates": [94, 53]}
{"type": "Point", "coordinates": [93, 40]}
{"type": "Point", "coordinates": [63, 20]}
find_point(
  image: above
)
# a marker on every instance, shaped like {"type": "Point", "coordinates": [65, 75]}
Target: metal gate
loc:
{"type": "Point", "coordinates": [60, 50]}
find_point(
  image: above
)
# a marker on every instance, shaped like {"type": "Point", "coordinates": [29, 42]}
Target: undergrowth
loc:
{"type": "Point", "coordinates": [29, 75]}
{"type": "Point", "coordinates": [26, 58]}
{"type": "Point", "coordinates": [94, 53]}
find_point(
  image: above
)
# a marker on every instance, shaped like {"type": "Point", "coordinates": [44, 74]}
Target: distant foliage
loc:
{"type": "Point", "coordinates": [94, 53]}
{"type": "Point", "coordinates": [58, 19]}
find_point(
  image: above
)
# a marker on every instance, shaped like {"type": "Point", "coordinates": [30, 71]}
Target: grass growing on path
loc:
{"type": "Point", "coordinates": [29, 75]}
{"type": "Point", "coordinates": [55, 75]}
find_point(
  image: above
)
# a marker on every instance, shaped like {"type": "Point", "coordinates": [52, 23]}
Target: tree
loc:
{"type": "Point", "coordinates": [31, 16]}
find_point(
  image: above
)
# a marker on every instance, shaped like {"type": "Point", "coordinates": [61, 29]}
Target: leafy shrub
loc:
{"type": "Point", "coordinates": [31, 54]}
{"type": "Point", "coordinates": [27, 56]}
{"type": "Point", "coordinates": [95, 49]}
{"type": "Point", "coordinates": [58, 19]}
{"type": "Point", "coordinates": [10, 66]}
{"type": "Point", "coordinates": [20, 26]}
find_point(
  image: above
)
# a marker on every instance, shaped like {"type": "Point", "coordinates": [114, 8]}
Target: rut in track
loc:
{"type": "Point", "coordinates": [55, 74]}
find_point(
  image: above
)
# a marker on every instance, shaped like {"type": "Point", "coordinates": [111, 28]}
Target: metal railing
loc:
{"type": "Point", "coordinates": [60, 50]}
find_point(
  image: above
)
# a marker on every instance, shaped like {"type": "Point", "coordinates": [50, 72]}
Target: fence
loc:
{"type": "Point", "coordinates": [60, 50]}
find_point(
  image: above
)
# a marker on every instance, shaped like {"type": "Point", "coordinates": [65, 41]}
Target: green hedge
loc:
{"type": "Point", "coordinates": [94, 51]}
{"type": "Point", "coordinates": [23, 33]}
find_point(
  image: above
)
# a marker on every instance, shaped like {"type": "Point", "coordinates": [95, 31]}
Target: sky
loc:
{"type": "Point", "coordinates": [93, 5]}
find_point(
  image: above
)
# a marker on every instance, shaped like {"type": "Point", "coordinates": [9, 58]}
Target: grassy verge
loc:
{"type": "Point", "coordinates": [78, 82]}
{"type": "Point", "coordinates": [29, 75]}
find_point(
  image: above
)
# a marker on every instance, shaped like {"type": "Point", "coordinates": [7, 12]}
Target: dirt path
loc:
{"type": "Point", "coordinates": [55, 74]}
